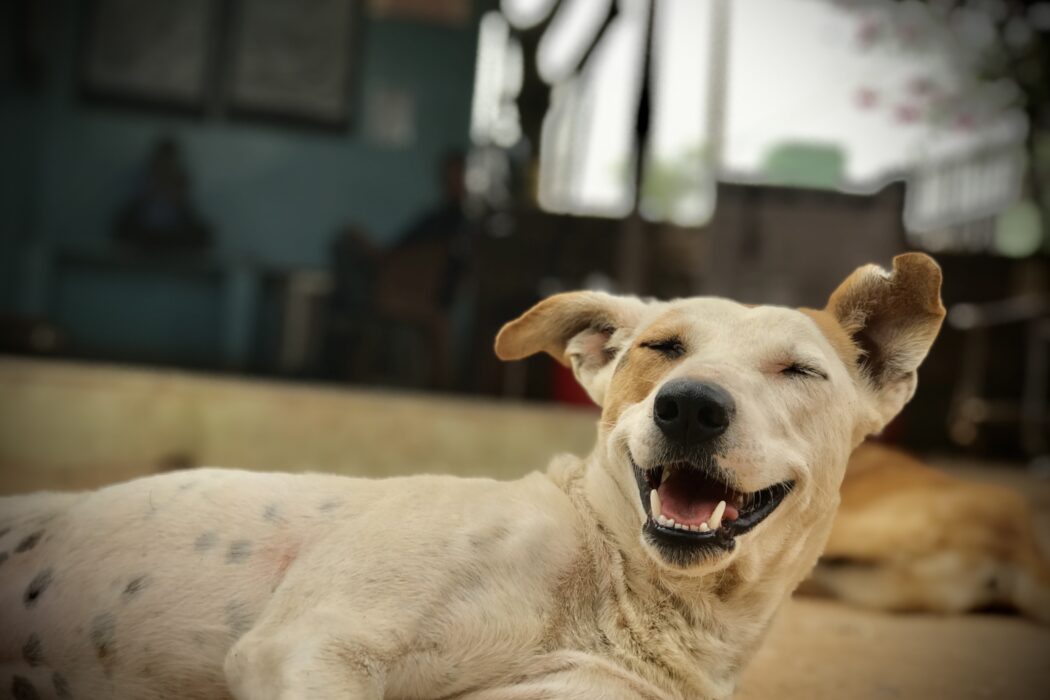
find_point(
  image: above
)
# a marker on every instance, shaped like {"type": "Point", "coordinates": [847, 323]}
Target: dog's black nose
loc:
{"type": "Point", "coordinates": [691, 412]}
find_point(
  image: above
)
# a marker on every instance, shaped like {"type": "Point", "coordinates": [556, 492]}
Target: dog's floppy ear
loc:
{"type": "Point", "coordinates": [893, 317]}
{"type": "Point", "coordinates": [574, 328]}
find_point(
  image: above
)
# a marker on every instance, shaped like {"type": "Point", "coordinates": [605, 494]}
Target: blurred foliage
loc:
{"type": "Point", "coordinates": [805, 165]}
{"type": "Point", "coordinates": [1000, 53]}
{"type": "Point", "coordinates": [667, 183]}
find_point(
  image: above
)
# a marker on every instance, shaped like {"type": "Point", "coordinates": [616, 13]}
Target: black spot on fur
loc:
{"type": "Point", "coordinates": [22, 689]}
{"type": "Point", "coordinates": [135, 586]}
{"type": "Point", "coordinates": [239, 551]}
{"type": "Point", "coordinates": [272, 513]}
{"type": "Point", "coordinates": [3, 557]}
{"type": "Point", "coordinates": [329, 506]}
{"type": "Point", "coordinates": [29, 542]}
{"type": "Point", "coordinates": [238, 617]}
{"type": "Point", "coordinates": [103, 630]}
{"type": "Point", "coordinates": [489, 540]}
{"type": "Point", "coordinates": [33, 651]}
{"type": "Point", "coordinates": [37, 587]}
{"type": "Point", "coordinates": [103, 635]}
{"type": "Point", "coordinates": [62, 690]}
{"type": "Point", "coordinates": [205, 541]}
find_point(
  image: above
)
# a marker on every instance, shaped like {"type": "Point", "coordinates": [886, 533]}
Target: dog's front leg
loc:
{"type": "Point", "coordinates": [572, 675]}
{"type": "Point", "coordinates": [314, 657]}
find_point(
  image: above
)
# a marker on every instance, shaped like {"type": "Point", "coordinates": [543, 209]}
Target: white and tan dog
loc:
{"type": "Point", "coordinates": [650, 569]}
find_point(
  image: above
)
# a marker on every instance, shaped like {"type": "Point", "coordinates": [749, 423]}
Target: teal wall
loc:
{"type": "Point", "coordinates": [274, 194]}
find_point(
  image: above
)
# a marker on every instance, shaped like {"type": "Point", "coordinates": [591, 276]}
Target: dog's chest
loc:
{"type": "Point", "coordinates": [658, 637]}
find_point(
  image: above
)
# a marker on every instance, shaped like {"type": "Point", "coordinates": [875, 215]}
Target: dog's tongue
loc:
{"type": "Point", "coordinates": [690, 499]}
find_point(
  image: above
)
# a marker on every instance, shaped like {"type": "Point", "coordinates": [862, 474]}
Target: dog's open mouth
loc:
{"type": "Point", "coordinates": [688, 505]}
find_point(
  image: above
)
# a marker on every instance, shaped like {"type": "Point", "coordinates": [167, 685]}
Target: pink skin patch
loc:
{"type": "Point", "coordinates": [691, 501]}
{"type": "Point", "coordinates": [282, 557]}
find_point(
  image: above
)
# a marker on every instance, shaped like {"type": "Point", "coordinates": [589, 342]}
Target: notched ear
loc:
{"type": "Point", "coordinates": [893, 317]}
{"type": "Point", "coordinates": [574, 328]}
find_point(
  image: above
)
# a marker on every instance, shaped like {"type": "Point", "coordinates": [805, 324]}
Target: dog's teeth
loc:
{"type": "Point", "coordinates": [664, 475]}
{"type": "Point", "coordinates": [715, 521]}
{"type": "Point", "coordinates": [703, 527]}
{"type": "Point", "coordinates": [654, 503]}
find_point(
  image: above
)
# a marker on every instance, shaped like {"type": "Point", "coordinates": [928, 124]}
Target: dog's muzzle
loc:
{"type": "Point", "coordinates": [692, 509]}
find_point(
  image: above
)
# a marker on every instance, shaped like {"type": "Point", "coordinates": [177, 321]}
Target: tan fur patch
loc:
{"type": "Point", "coordinates": [840, 340]}
{"type": "Point", "coordinates": [893, 316]}
{"type": "Point", "coordinates": [640, 368]}
{"type": "Point", "coordinates": [912, 288]}
{"type": "Point", "coordinates": [921, 539]}
{"type": "Point", "coordinates": [921, 510]}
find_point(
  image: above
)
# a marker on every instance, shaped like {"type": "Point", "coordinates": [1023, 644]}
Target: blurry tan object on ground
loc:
{"type": "Point", "coordinates": [908, 537]}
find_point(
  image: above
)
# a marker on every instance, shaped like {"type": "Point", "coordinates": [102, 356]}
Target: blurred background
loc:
{"type": "Point", "coordinates": [278, 234]}
{"type": "Point", "coordinates": [356, 194]}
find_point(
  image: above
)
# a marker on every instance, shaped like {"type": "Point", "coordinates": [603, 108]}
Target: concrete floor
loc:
{"type": "Point", "coordinates": [70, 426]}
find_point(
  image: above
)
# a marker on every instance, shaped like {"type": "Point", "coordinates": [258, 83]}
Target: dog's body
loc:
{"type": "Point", "coordinates": [510, 590]}
{"type": "Point", "coordinates": [650, 569]}
{"type": "Point", "coordinates": [909, 537]}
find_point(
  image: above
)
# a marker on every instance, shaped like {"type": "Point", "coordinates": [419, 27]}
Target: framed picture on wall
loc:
{"type": "Point", "coordinates": [158, 53]}
{"type": "Point", "coordinates": [293, 60]}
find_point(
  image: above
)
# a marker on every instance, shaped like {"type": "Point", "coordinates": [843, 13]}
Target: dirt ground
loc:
{"type": "Point", "coordinates": [824, 650]}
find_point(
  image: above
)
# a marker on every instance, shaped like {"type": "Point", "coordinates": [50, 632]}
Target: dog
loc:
{"type": "Point", "coordinates": [649, 570]}
{"type": "Point", "coordinates": [911, 538]}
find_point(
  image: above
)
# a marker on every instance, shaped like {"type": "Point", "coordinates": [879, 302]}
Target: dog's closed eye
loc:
{"type": "Point", "coordinates": [803, 370]}
{"type": "Point", "coordinates": [672, 348]}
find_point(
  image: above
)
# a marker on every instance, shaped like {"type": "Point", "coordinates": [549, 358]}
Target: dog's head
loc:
{"type": "Point", "coordinates": [726, 428]}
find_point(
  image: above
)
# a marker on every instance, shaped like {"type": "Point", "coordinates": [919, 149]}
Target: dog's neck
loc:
{"type": "Point", "coordinates": [699, 628]}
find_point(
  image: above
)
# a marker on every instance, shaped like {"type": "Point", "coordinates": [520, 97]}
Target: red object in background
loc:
{"type": "Point", "coordinates": [907, 114]}
{"type": "Point", "coordinates": [564, 388]}
{"type": "Point", "coordinates": [866, 98]}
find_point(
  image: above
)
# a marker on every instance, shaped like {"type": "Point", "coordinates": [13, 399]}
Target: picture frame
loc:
{"type": "Point", "coordinates": [152, 54]}
{"type": "Point", "coordinates": [450, 13]}
{"type": "Point", "coordinates": [293, 62]}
